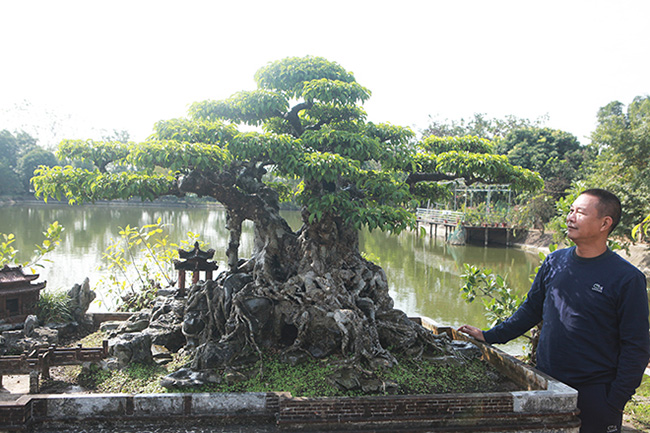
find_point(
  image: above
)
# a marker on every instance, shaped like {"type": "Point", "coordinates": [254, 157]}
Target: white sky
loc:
{"type": "Point", "coordinates": [127, 64]}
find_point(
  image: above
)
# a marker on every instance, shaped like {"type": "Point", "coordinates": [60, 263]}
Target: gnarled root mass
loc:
{"type": "Point", "coordinates": [344, 311]}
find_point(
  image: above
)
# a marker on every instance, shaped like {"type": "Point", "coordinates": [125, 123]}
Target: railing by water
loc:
{"type": "Point", "coordinates": [439, 216]}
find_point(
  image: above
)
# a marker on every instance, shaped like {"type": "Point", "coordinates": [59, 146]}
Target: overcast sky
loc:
{"type": "Point", "coordinates": [127, 64]}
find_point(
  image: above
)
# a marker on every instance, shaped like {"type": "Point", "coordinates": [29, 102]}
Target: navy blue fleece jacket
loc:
{"type": "Point", "coordinates": [595, 314]}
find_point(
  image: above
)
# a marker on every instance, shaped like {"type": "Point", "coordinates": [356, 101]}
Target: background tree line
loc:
{"type": "Point", "coordinates": [21, 154]}
{"type": "Point", "coordinates": [617, 158]}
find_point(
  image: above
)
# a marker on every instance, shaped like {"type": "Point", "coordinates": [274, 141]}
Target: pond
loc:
{"type": "Point", "coordinates": [423, 272]}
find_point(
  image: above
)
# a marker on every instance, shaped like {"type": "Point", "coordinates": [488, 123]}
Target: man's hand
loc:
{"type": "Point", "coordinates": [472, 332]}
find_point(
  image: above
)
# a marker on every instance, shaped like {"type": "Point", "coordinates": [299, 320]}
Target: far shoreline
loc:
{"type": "Point", "coordinates": [530, 240]}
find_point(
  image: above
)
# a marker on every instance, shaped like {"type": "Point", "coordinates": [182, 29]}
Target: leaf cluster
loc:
{"type": "Point", "coordinates": [498, 298]}
{"type": "Point", "coordinates": [289, 75]}
{"type": "Point", "coordinates": [81, 186]}
{"type": "Point", "coordinates": [465, 143]}
{"type": "Point", "coordinates": [252, 107]}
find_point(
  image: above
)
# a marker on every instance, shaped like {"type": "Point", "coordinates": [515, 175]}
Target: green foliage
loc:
{"type": "Point", "coordinates": [54, 307]}
{"type": "Point", "coordinates": [29, 162]}
{"type": "Point", "coordinates": [51, 306]}
{"type": "Point", "coordinates": [195, 131]}
{"type": "Point", "coordinates": [139, 262]}
{"type": "Point", "coordinates": [17, 164]}
{"type": "Point", "coordinates": [243, 107]}
{"type": "Point", "coordinates": [562, 206]}
{"type": "Point", "coordinates": [498, 298]}
{"type": "Point", "coordinates": [467, 143]}
{"type": "Point", "coordinates": [52, 239]}
{"type": "Point", "coordinates": [81, 186]}
{"type": "Point", "coordinates": [290, 76]}
{"type": "Point", "coordinates": [432, 191]}
{"type": "Point", "coordinates": [421, 377]}
{"type": "Point", "coordinates": [177, 156]}
{"type": "Point", "coordinates": [622, 140]}
{"type": "Point", "coordinates": [535, 210]}
{"type": "Point", "coordinates": [555, 154]}
{"type": "Point", "coordinates": [7, 251]}
{"type": "Point", "coordinates": [625, 132]}
{"type": "Point", "coordinates": [478, 215]}
{"type": "Point", "coordinates": [99, 153]}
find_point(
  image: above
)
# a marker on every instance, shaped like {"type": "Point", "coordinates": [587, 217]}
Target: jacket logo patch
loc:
{"type": "Point", "coordinates": [597, 288]}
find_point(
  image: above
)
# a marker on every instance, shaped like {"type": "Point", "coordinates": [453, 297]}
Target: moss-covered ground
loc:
{"type": "Point", "coordinates": [309, 378]}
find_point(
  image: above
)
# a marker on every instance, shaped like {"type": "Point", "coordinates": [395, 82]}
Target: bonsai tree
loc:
{"type": "Point", "coordinates": [306, 291]}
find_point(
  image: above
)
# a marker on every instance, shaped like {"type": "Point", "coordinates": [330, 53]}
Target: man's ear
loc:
{"type": "Point", "coordinates": [607, 223]}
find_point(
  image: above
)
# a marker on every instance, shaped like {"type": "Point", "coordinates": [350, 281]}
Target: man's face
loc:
{"type": "Point", "coordinates": [584, 222]}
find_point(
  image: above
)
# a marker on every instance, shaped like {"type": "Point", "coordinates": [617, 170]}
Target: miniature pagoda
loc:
{"type": "Point", "coordinates": [195, 260]}
{"type": "Point", "coordinates": [18, 295]}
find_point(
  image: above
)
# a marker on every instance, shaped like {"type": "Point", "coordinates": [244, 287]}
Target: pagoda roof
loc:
{"type": "Point", "coordinates": [196, 253]}
{"type": "Point", "coordinates": [195, 259]}
{"type": "Point", "coordinates": [12, 276]}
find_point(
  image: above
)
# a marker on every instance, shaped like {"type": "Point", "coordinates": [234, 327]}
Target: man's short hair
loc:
{"type": "Point", "coordinates": [608, 205]}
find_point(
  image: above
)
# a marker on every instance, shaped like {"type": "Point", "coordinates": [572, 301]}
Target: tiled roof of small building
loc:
{"type": "Point", "coordinates": [13, 275]}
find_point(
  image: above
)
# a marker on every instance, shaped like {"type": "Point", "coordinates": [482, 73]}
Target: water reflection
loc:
{"type": "Point", "coordinates": [424, 273]}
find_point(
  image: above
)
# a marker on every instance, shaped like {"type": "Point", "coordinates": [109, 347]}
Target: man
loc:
{"type": "Point", "coordinates": [594, 308]}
